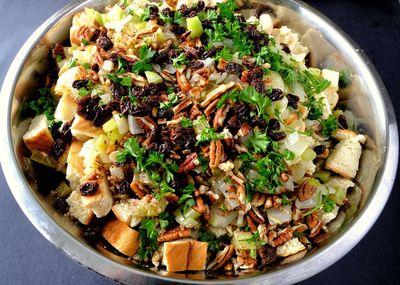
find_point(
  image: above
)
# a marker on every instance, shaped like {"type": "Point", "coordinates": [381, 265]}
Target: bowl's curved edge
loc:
{"type": "Point", "coordinates": [89, 258]}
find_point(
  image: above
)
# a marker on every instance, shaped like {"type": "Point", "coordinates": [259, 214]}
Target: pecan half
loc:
{"type": "Point", "coordinates": [139, 189]}
{"type": "Point", "coordinates": [182, 105]}
{"type": "Point", "coordinates": [315, 230]}
{"type": "Point", "coordinates": [188, 164]}
{"type": "Point", "coordinates": [258, 199]}
{"type": "Point", "coordinates": [281, 237]}
{"type": "Point", "coordinates": [174, 234]}
{"type": "Point", "coordinates": [306, 190]}
{"type": "Point", "coordinates": [216, 153]}
{"type": "Point", "coordinates": [199, 207]}
{"type": "Point", "coordinates": [220, 116]}
{"type": "Point", "coordinates": [216, 93]}
{"type": "Point", "coordinates": [146, 123]}
{"type": "Point", "coordinates": [183, 83]}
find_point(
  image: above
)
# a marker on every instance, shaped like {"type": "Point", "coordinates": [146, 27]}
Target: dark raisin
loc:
{"type": "Point", "coordinates": [241, 111]}
{"type": "Point", "coordinates": [192, 14]}
{"type": "Point", "coordinates": [104, 42]}
{"type": "Point", "coordinates": [155, 135]}
{"type": "Point", "coordinates": [210, 53]}
{"type": "Point", "coordinates": [200, 5]}
{"type": "Point", "coordinates": [234, 124]}
{"type": "Point", "coordinates": [234, 68]}
{"type": "Point", "coordinates": [87, 107]}
{"type": "Point", "coordinates": [273, 126]}
{"type": "Point", "coordinates": [141, 110]}
{"type": "Point", "coordinates": [319, 149]}
{"type": "Point", "coordinates": [88, 188]}
{"type": "Point", "coordinates": [153, 10]}
{"type": "Point", "coordinates": [177, 30]}
{"type": "Point", "coordinates": [184, 10]}
{"type": "Point", "coordinates": [258, 122]}
{"type": "Point", "coordinates": [342, 122]}
{"type": "Point", "coordinates": [123, 188]}
{"type": "Point", "coordinates": [256, 73]}
{"type": "Point", "coordinates": [78, 84]}
{"type": "Point", "coordinates": [114, 105]}
{"type": "Point", "coordinates": [92, 234]}
{"type": "Point", "coordinates": [117, 90]}
{"type": "Point", "coordinates": [285, 48]}
{"type": "Point", "coordinates": [191, 54]}
{"type": "Point", "coordinates": [103, 114]}
{"type": "Point", "coordinates": [58, 148]}
{"type": "Point", "coordinates": [240, 18]}
{"type": "Point", "coordinates": [125, 106]}
{"type": "Point", "coordinates": [153, 89]}
{"type": "Point", "coordinates": [258, 85]}
{"type": "Point", "coordinates": [152, 146]}
{"type": "Point", "coordinates": [252, 33]}
{"type": "Point", "coordinates": [168, 12]}
{"type": "Point", "coordinates": [196, 64]}
{"type": "Point", "coordinates": [267, 255]}
{"type": "Point", "coordinates": [277, 136]}
{"type": "Point", "coordinates": [61, 205]}
{"type": "Point", "coordinates": [161, 57]}
{"type": "Point", "coordinates": [165, 113]}
{"type": "Point", "coordinates": [95, 67]}
{"type": "Point", "coordinates": [138, 91]}
{"type": "Point", "coordinates": [65, 132]}
{"type": "Point", "coordinates": [207, 24]}
{"type": "Point", "coordinates": [293, 100]}
{"type": "Point", "coordinates": [164, 148]}
{"type": "Point", "coordinates": [275, 94]}
{"type": "Point", "coordinates": [182, 137]}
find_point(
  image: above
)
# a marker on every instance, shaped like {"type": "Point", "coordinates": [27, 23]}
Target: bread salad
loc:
{"type": "Point", "coordinates": [194, 136]}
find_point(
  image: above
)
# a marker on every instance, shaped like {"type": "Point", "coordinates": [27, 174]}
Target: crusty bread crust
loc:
{"type": "Point", "coordinates": [77, 210]}
{"type": "Point", "coordinates": [83, 129]}
{"type": "Point", "coordinates": [121, 237]}
{"type": "Point", "coordinates": [75, 166]}
{"type": "Point", "coordinates": [66, 109]}
{"type": "Point", "coordinates": [197, 256]}
{"type": "Point", "coordinates": [38, 137]}
{"type": "Point", "coordinates": [101, 201]}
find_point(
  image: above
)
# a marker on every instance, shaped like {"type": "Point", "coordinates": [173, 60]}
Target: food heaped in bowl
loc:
{"type": "Point", "coordinates": [195, 138]}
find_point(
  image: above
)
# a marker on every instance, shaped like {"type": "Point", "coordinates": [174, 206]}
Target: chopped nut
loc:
{"type": "Point", "coordinates": [174, 234]}
{"type": "Point", "coordinates": [216, 153]}
{"type": "Point", "coordinates": [306, 190]}
{"type": "Point", "coordinates": [281, 237]}
{"type": "Point", "coordinates": [182, 105]}
{"type": "Point", "coordinates": [183, 83]}
{"type": "Point", "coordinates": [216, 93]}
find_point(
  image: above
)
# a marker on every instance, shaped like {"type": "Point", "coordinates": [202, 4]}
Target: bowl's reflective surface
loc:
{"type": "Point", "coordinates": [366, 97]}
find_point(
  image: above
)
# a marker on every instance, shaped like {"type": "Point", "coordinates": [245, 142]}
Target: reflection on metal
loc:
{"type": "Point", "coordinates": [366, 97]}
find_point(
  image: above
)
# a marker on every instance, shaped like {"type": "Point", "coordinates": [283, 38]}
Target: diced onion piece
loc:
{"type": "Point", "coordinates": [220, 219]}
{"type": "Point", "coordinates": [122, 123]}
{"type": "Point", "coordinates": [134, 127]}
{"type": "Point", "coordinates": [117, 172]}
{"type": "Point", "coordinates": [279, 216]}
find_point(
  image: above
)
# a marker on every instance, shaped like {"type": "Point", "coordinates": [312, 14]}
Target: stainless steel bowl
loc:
{"type": "Point", "coordinates": [366, 97]}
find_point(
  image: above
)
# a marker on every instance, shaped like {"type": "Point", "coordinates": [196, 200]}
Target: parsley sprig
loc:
{"type": "Point", "coordinates": [145, 56]}
{"type": "Point", "coordinates": [186, 199]}
{"type": "Point", "coordinates": [43, 103]}
{"type": "Point", "coordinates": [148, 239]}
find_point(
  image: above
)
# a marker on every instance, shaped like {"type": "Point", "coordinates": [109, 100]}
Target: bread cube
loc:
{"type": "Point", "coordinates": [121, 237]}
{"type": "Point", "coordinates": [38, 137]}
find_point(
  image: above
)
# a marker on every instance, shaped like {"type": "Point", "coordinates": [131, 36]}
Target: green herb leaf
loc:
{"type": "Point", "coordinates": [173, 100]}
{"type": "Point", "coordinates": [209, 134]}
{"type": "Point", "coordinates": [251, 96]}
{"type": "Point", "coordinates": [148, 239]}
{"type": "Point", "coordinates": [227, 10]}
{"type": "Point", "coordinates": [84, 41]}
{"type": "Point", "coordinates": [72, 63]}
{"type": "Point", "coordinates": [215, 243]}
{"type": "Point", "coordinates": [329, 126]}
{"type": "Point", "coordinates": [186, 123]}
{"type": "Point", "coordinates": [344, 78]}
{"type": "Point", "coordinates": [42, 103]}
{"type": "Point", "coordinates": [146, 14]}
{"type": "Point", "coordinates": [145, 56]}
{"type": "Point", "coordinates": [186, 199]}
{"type": "Point", "coordinates": [126, 81]}
{"type": "Point", "coordinates": [258, 141]}
{"type": "Point", "coordinates": [312, 84]}
{"type": "Point", "coordinates": [224, 53]}
{"type": "Point", "coordinates": [179, 61]}
{"type": "Point", "coordinates": [83, 92]}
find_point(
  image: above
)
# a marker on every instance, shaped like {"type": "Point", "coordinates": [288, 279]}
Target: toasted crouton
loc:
{"type": "Point", "coordinates": [197, 256]}
{"type": "Point", "coordinates": [66, 109]}
{"type": "Point", "coordinates": [290, 247]}
{"type": "Point", "coordinates": [345, 157]}
{"type": "Point", "coordinates": [65, 81]}
{"type": "Point", "coordinates": [121, 237]}
{"type": "Point", "coordinates": [101, 201]}
{"type": "Point", "coordinates": [83, 129]}
{"type": "Point", "coordinates": [77, 210]}
{"type": "Point", "coordinates": [182, 255]}
{"type": "Point", "coordinates": [38, 137]}
{"type": "Point", "coordinates": [75, 165]}
{"type": "Point", "coordinates": [176, 254]}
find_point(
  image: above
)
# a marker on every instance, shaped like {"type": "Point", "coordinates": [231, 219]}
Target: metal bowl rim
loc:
{"type": "Point", "coordinates": [79, 252]}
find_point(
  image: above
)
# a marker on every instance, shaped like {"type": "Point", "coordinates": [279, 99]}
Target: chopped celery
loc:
{"type": "Point", "coordinates": [153, 77]}
{"type": "Point", "coordinates": [322, 175]}
{"type": "Point", "coordinates": [185, 221]}
{"type": "Point", "coordinates": [309, 154]}
{"type": "Point", "coordinates": [111, 129]}
{"type": "Point", "coordinates": [44, 159]}
{"type": "Point", "coordinates": [339, 196]}
{"type": "Point", "coordinates": [194, 26]}
{"type": "Point", "coordinates": [101, 143]}
{"type": "Point", "coordinates": [241, 240]}
{"type": "Point", "coordinates": [159, 36]}
{"type": "Point", "coordinates": [192, 214]}
{"type": "Point", "coordinates": [95, 16]}
{"type": "Point", "coordinates": [115, 14]}
{"type": "Point", "coordinates": [63, 190]}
